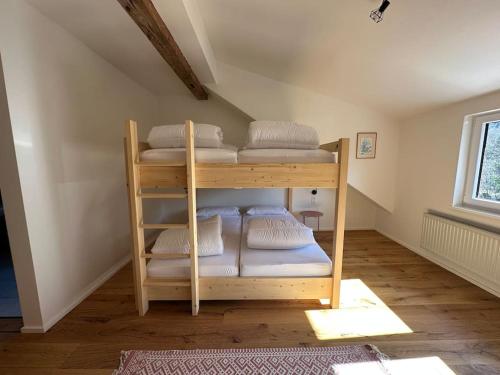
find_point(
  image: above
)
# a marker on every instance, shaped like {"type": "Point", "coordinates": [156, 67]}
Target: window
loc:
{"type": "Point", "coordinates": [482, 184]}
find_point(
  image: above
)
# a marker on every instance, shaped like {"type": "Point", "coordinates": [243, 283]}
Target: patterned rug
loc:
{"type": "Point", "coordinates": [352, 359]}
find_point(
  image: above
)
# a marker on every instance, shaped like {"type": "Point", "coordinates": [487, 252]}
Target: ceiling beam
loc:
{"type": "Point", "coordinates": [149, 21]}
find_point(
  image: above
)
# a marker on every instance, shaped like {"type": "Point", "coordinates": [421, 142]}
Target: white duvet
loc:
{"type": "Point", "coordinates": [281, 134]}
{"type": "Point", "coordinates": [278, 233]}
{"type": "Point", "coordinates": [225, 265]}
{"type": "Point", "coordinates": [309, 261]}
{"type": "Point", "coordinates": [175, 241]}
{"type": "Point", "coordinates": [224, 154]}
{"type": "Point", "coordinates": [173, 136]}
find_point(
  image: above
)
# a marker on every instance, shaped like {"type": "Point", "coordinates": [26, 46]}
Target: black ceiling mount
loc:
{"type": "Point", "coordinates": [377, 15]}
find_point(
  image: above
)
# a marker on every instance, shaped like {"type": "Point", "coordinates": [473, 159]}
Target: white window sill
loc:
{"type": "Point", "coordinates": [477, 211]}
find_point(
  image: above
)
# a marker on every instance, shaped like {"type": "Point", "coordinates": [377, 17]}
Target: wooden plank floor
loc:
{"type": "Point", "coordinates": [450, 318]}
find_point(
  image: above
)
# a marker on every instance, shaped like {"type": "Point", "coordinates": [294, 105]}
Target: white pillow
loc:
{"type": "Point", "coordinates": [278, 233]}
{"type": "Point", "coordinates": [173, 136]}
{"type": "Point", "coordinates": [281, 134]}
{"type": "Point", "coordinates": [174, 241]}
{"type": "Point", "coordinates": [222, 211]}
{"type": "Point", "coordinates": [267, 210]}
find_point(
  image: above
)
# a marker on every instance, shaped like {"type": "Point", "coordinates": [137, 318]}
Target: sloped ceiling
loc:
{"type": "Point", "coordinates": [424, 54]}
{"type": "Point", "coordinates": [107, 29]}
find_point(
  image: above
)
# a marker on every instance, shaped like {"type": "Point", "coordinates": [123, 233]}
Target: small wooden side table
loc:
{"type": "Point", "coordinates": [306, 214]}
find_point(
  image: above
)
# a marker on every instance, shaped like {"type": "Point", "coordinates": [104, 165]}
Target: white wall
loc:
{"type": "Point", "coordinates": [15, 216]}
{"type": "Point", "coordinates": [67, 107]}
{"type": "Point", "coordinates": [429, 150]}
{"type": "Point", "coordinates": [176, 108]}
{"type": "Point", "coordinates": [360, 211]}
{"type": "Point", "coordinates": [264, 98]}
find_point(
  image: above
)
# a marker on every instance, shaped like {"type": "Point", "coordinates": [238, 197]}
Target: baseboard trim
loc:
{"type": "Point", "coordinates": [82, 295]}
{"type": "Point", "coordinates": [449, 265]}
{"type": "Point", "coordinates": [32, 329]}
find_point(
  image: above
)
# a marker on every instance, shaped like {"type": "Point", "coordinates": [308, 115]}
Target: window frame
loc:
{"type": "Point", "coordinates": [476, 148]}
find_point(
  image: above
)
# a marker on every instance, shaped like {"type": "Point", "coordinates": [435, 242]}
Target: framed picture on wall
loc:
{"type": "Point", "coordinates": [366, 146]}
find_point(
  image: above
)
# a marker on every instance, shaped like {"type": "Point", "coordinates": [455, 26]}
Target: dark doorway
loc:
{"type": "Point", "coordinates": [9, 299]}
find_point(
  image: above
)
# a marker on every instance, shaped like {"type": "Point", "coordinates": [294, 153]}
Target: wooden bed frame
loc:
{"type": "Point", "coordinates": [192, 176]}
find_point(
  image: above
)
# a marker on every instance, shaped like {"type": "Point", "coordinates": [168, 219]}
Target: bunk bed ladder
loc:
{"type": "Point", "coordinates": [193, 236]}
{"type": "Point", "coordinates": [136, 195]}
{"type": "Point", "coordinates": [136, 217]}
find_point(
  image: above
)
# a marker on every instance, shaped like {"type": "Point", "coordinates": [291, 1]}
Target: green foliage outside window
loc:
{"type": "Point", "coordinates": [489, 180]}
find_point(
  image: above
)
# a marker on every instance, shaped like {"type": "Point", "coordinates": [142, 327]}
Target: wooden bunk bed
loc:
{"type": "Point", "coordinates": [191, 176]}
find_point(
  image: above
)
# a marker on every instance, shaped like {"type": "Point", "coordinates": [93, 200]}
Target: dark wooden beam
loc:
{"type": "Point", "coordinates": [149, 21]}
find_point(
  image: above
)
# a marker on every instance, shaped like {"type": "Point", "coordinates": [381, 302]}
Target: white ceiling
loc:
{"type": "Point", "coordinates": [105, 27]}
{"type": "Point", "coordinates": [424, 54]}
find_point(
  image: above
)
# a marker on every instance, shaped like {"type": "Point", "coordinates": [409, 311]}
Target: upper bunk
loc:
{"type": "Point", "coordinates": [168, 174]}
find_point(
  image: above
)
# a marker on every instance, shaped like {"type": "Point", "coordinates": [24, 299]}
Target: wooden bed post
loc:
{"type": "Point", "coordinates": [193, 236]}
{"type": "Point", "coordinates": [290, 199]}
{"type": "Point", "coordinates": [136, 217]}
{"type": "Point", "coordinates": [338, 236]}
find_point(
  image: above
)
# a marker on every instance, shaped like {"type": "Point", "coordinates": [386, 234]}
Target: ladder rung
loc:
{"type": "Point", "coordinates": [162, 164]}
{"type": "Point", "coordinates": [163, 195]}
{"type": "Point", "coordinates": [167, 282]}
{"type": "Point", "coordinates": [164, 226]}
{"type": "Point", "coordinates": [165, 256]}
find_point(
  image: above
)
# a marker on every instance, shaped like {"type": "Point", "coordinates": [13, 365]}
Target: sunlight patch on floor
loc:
{"type": "Point", "coordinates": [418, 366]}
{"type": "Point", "coordinates": [360, 368]}
{"type": "Point", "coordinates": [409, 366]}
{"type": "Point", "coordinates": [361, 314]}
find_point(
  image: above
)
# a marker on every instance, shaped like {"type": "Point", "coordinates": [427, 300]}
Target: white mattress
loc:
{"type": "Point", "coordinates": [217, 265]}
{"type": "Point", "coordinates": [308, 261]}
{"type": "Point", "coordinates": [226, 154]}
{"type": "Point", "coordinates": [287, 155]}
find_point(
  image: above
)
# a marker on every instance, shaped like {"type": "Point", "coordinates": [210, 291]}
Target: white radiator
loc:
{"type": "Point", "coordinates": [468, 248]}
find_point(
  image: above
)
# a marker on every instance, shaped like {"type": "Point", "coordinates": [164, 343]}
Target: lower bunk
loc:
{"type": "Point", "coordinates": [241, 272]}
{"type": "Point", "coordinates": [243, 288]}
